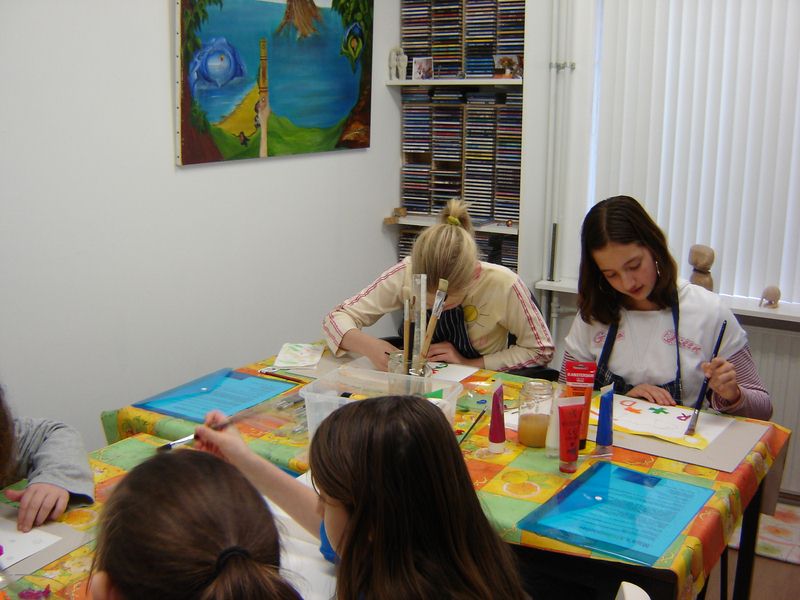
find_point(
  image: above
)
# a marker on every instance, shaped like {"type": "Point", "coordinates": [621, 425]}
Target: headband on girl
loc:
{"type": "Point", "coordinates": [451, 220]}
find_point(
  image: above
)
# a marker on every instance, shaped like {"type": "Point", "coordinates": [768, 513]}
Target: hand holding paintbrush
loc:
{"type": "Point", "coordinates": [221, 422]}
{"type": "Point", "coordinates": [188, 439]}
{"type": "Point", "coordinates": [704, 388]}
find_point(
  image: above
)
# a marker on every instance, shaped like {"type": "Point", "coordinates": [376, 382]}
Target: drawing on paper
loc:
{"type": "Point", "coordinates": [639, 417]}
{"type": "Point", "coordinates": [262, 78]}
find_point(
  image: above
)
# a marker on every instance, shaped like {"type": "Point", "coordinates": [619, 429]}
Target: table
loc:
{"type": "Point", "coordinates": [277, 434]}
{"type": "Point", "coordinates": [513, 484]}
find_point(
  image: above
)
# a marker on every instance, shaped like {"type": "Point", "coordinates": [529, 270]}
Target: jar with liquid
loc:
{"type": "Point", "coordinates": [534, 412]}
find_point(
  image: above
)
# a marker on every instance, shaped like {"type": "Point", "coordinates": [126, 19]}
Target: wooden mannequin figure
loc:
{"type": "Point", "coordinates": [701, 258]}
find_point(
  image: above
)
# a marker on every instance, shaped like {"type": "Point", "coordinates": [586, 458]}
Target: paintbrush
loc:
{"type": "Point", "coordinates": [406, 333]}
{"type": "Point", "coordinates": [286, 402]}
{"type": "Point", "coordinates": [704, 388]}
{"type": "Point", "coordinates": [190, 438]}
{"type": "Point", "coordinates": [419, 326]}
{"type": "Point", "coordinates": [471, 427]}
{"type": "Point", "coordinates": [438, 306]}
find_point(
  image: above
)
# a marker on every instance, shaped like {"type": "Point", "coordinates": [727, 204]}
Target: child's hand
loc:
{"type": "Point", "coordinates": [722, 379]}
{"type": "Point", "coordinates": [225, 443]}
{"type": "Point", "coordinates": [379, 352]}
{"type": "Point", "coordinates": [652, 393]}
{"type": "Point", "coordinates": [37, 503]}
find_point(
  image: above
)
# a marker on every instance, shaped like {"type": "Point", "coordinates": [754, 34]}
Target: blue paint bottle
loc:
{"type": "Point", "coordinates": [605, 423]}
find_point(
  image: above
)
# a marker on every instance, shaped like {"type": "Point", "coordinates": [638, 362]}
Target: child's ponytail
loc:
{"type": "Point", "coordinates": [238, 576]}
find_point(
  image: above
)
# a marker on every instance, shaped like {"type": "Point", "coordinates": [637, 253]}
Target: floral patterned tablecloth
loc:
{"type": "Point", "coordinates": [513, 484]}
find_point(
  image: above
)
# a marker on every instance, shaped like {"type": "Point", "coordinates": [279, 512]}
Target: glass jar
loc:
{"type": "Point", "coordinates": [535, 399]}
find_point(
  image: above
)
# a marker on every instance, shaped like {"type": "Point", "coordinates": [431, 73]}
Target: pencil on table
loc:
{"type": "Point", "coordinates": [471, 427]}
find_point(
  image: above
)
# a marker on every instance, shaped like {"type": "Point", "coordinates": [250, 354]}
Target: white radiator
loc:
{"type": "Point", "coordinates": [777, 355]}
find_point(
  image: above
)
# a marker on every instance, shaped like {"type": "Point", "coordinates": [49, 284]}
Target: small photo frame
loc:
{"type": "Point", "coordinates": [422, 68]}
{"type": "Point", "coordinates": [507, 66]}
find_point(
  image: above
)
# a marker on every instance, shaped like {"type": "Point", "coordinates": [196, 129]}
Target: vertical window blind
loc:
{"type": "Point", "coordinates": [695, 110]}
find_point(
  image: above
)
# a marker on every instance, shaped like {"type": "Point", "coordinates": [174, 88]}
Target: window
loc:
{"type": "Point", "coordinates": [693, 108]}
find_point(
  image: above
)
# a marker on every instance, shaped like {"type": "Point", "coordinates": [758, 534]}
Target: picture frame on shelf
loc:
{"type": "Point", "coordinates": [422, 67]}
{"type": "Point", "coordinates": [507, 66]}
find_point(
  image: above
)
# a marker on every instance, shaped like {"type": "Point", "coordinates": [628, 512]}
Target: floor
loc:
{"type": "Point", "coordinates": [772, 579]}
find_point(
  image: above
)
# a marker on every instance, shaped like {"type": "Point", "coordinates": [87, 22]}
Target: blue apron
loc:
{"type": "Point", "coordinates": [604, 375]}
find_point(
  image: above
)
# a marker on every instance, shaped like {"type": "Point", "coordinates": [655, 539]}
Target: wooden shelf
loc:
{"type": "Point", "coordinates": [435, 82]}
{"type": "Point", "coordinates": [428, 220]}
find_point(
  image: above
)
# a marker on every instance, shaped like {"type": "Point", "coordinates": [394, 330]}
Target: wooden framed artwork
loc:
{"type": "Point", "coordinates": [262, 78]}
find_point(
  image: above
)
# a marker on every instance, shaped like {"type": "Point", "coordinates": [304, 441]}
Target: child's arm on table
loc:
{"type": "Point", "coordinates": [298, 500]}
{"type": "Point", "coordinates": [52, 457]}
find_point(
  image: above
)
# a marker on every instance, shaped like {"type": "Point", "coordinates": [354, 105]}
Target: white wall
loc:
{"type": "Point", "coordinates": [123, 275]}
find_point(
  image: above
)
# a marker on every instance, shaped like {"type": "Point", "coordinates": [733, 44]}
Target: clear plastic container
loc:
{"type": "Point", "coordinates": [534, 412]}
{"type": "Point", "coordinates": [348, 384]}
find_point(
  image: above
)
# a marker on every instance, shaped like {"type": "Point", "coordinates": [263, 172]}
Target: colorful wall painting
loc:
{"type": "Point", "coordinates": [262, 78]}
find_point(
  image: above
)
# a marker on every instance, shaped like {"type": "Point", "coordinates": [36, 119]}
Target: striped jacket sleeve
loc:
{"type": "Point", "coordinates": [382, 296]}
{"type": "Point", "coordinates": [755, 401]}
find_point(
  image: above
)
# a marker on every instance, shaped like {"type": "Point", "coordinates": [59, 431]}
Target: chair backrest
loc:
{"type": "Point", "coordinates": [629, 591]}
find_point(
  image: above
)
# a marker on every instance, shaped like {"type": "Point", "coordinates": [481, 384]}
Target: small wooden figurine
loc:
{"type": "Point", "coordinates": [701, 258]}
{"type": "Point", "coordinates": [770, 297]}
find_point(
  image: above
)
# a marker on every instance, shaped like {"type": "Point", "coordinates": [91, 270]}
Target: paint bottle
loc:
{"type": "Point", "coordinates": [605, 423]}
{"type": "Point", "coordinates": [580, 382]}
{"type": "Point", "coordinates": [551, 441]}
{"type": "Point", "coordinates": [497, 424]}
{"type": "Point", "coordinates": [570, 411]}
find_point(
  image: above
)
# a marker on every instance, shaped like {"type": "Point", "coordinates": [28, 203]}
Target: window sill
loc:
{"type": "Point", "coordinates": [744, 307]}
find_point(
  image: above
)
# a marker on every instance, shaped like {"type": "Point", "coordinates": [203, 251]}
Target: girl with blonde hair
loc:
{"type": "Point", "coordinates": [486, 303]}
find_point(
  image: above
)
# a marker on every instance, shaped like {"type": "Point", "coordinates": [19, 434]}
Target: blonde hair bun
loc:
{"type": "Point", "coordinates": [456, 210]}
{"type": "Point", "coordinates": [447, 250]}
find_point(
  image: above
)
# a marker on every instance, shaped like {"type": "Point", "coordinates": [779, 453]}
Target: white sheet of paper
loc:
{"type": "Point", "coordinates": [18, 546]}
{"type": "Point", "coordinates": [669, 423]}
{"type": "Point", "coordinates": [298, 355]}
{"type": "Point", "coordinates": [440, 371]}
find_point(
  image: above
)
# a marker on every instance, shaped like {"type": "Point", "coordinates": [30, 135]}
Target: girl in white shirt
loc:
{"type": "Point", "coordinates": [650, 333]}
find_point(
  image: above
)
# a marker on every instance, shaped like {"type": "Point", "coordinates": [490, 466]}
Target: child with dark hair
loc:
{"type": "Point", "coordinates": [651, 333]}
{"type": "Point", "coordinates": [52, 458]}
{"type": "Point", "coordinates": [394, 503]}
{"type": "Point", "coordinates": [186, 525]}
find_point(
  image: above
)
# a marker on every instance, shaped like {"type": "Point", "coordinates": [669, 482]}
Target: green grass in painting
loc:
{"type": "Point", "coordinates": [284, 138]}
{"type": "Point", "coordinates": [230, 147]}
{"type": "Point", "coordinates": [287, 138]}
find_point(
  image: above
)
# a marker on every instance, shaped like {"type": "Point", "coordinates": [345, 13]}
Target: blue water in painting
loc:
{"type": "Point", "coordinates": [310, 82]}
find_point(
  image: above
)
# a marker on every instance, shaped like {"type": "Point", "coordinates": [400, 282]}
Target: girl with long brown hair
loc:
{"type": "Point", "coordinates": [393, 498]}
{"type": "Point", "coordinates": [650, 332]}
